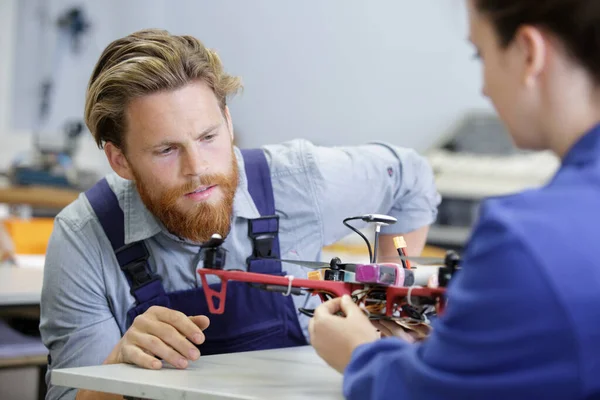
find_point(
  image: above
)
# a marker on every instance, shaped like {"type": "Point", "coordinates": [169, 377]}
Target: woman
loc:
{"type": "Point", "coordinates": [523, 319]}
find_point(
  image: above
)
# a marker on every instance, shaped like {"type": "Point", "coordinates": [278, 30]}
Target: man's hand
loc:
{"type": "Point", "coordinates": [160, 332]}
{"type": "Point", "coordinates": [334, 337]}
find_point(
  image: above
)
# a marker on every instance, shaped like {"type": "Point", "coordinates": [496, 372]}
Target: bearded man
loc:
{"type": "Point", "coordinates": [121, 282]}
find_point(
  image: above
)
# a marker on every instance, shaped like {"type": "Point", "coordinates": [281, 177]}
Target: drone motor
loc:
{"type": "Point", "coordinates": [214, 254]}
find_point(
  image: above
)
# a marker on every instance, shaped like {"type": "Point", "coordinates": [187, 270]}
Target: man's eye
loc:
{"type": "Point", "coordinates": [210, 137]}
{"type": "Point", "coordinates": [166, 150]}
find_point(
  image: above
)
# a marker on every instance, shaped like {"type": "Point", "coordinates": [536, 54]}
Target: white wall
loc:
{"type": "Point", "coordinates": [333, 71]}
{"type": "Point", "coordinates": [18, 140]}
{"type": "Point", "coordinates": [15, 142]}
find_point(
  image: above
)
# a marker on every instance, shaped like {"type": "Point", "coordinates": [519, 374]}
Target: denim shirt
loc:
{"type": "Point", "coordinates": [85, 296]}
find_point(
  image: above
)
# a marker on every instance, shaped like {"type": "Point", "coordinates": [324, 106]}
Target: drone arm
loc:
{"type": "Point", "coordinates": [335, 289]}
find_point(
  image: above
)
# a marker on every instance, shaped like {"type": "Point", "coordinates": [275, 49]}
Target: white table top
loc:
{"type": "Point", "coordinates": [20, 286]}
{"type": "Point", "coordinates": [294, 373]}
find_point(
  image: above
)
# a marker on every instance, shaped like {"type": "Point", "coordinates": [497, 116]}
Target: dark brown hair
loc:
{"type": "Point", "coordinates": [576, 23]}
{"type": "Point", "coordinates": [146, 62]}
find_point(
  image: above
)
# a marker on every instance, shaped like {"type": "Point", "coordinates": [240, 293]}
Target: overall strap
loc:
{"type": "Point", "coordinates": [263, 231]}
{"type": "Point", "coordinates": [132, 258]}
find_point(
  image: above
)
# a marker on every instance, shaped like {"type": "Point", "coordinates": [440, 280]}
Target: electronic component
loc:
{"type": "Point", "coordinates": [382, 274]}
{"type": "Point", "coordinates": [349, 277]}
{"type": "Point", "coordinates": [317, 275]}
{"type": "Point", "coordinates": [323, 274]}
{"type": "Point", "coordinates": [400, 245]}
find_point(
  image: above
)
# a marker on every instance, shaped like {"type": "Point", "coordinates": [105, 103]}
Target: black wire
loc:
{"type": "Point", "coordinates": [307, 312]}
{"type": "Point", "coordinates": [361, 235]}
{"type": "Point", "coordinates": [403, 254]}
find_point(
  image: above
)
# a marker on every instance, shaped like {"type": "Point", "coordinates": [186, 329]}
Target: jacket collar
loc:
{"type": "Point", "coordinates": [585, 150]}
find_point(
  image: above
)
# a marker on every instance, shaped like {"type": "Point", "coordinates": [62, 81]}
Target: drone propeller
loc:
{"type": "Point", "coordinates": [307, 264]}
{"type": "Point", "coordinates": [423, 260]}
{"type": "Point", "coordinates": [451, 259]}
{"type": "Point", "coordinates": [335, 263]}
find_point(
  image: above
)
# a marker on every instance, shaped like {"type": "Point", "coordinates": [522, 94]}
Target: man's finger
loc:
{"type": "Point", "coordinates": [135, 355]}
{"type": "Point", "coordinates": [173, 338]}
{"type": "Point", "coordinates": [155, 345]}
{"type": "Point", "coordinates": [182, 323]}
{"type": "Point", "coordinates": [201, 321]}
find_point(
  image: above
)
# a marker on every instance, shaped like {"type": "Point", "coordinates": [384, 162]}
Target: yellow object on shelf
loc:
{"type": "Point", "coordinates": [29, 236]}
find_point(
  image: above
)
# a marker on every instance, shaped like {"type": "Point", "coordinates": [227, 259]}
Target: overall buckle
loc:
{"type": "Point", "coordinates": [263, 231]}
{"type": "Point", "coordinates": [134, 259]}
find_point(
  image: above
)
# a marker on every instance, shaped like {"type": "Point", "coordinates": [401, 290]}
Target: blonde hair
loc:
{"type": "Point", "coordinates": [143, 63]}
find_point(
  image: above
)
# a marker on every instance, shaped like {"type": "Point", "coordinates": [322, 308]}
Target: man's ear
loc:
{"type": "Point", "coordinates": [532, 44]}
{"type": "Point", "coordinates": [117, 161]}
{"type": "Point", "coordinates": [229, 122]}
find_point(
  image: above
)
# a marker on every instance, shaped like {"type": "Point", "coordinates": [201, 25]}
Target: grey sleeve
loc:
{"type": "Point", "coordinates": [76, 322]}
{"type": "Point", "coordinates": [372, 178]}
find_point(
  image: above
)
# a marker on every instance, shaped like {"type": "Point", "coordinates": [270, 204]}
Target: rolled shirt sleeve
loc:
{"type": "Point", "coordinates": [372, 178]}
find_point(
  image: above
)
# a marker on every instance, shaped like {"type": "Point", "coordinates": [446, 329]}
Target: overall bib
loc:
{"type": "Point", "coordinates": [253, 319]}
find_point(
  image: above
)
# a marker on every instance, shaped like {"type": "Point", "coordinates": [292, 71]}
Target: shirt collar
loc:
{"type": "Point", "coordinates": [585, 149]}
{"type": "Point", "coordinates": [141, 224]}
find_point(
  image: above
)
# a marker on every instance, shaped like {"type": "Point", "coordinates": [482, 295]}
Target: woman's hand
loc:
{"type": "Point", "coordinates": [335, 337]}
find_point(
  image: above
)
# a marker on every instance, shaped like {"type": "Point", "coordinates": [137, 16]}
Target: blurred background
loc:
{"type": "Point", "coordinates": [336, 72]}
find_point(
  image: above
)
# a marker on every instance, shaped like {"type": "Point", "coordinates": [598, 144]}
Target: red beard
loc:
{"type": "Point", "coordinates": [204, 219]}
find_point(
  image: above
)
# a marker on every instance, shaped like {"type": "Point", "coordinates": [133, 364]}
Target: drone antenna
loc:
{"type": "Point", "coordinates": [379, 220]}
{"type": "Point", "coordinates": [376, 247]}
{"type": "Point", "coordinates": [360, 234]}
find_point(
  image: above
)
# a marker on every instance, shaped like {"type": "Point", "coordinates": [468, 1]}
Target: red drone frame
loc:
{"type": "Point", "coordinates": [382, 290]}
{"type": "Point", "coordinates": [395, 295]}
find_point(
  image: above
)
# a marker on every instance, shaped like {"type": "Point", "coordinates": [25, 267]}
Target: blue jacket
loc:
{"type": "Point", "coordinates": [523, 316]}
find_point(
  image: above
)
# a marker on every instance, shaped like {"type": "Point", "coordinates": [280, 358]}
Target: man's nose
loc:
{"type": "Point", "coordinates": [194, 164]}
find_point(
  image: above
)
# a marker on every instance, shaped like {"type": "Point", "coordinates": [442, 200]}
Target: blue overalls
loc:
{"type": "Point", "coordinates": [253, 319]}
